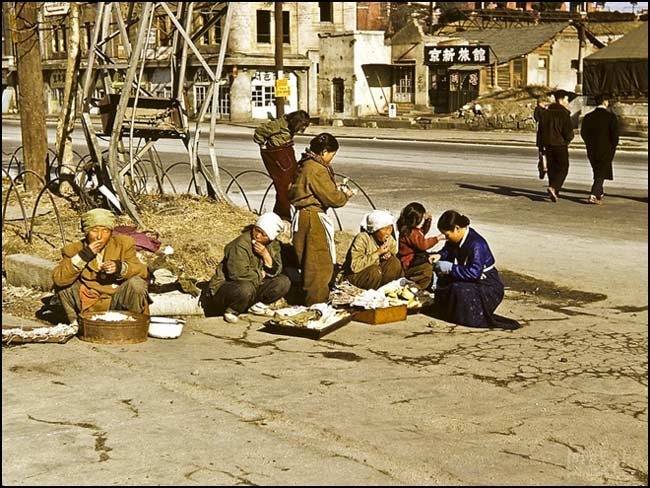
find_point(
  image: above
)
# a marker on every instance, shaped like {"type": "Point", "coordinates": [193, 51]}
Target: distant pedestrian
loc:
{"type": "Point", "coordinates": [556, 134]}
{"type": "Point", "coordinates": [542, 104]}
{"type": "Point", "coordinates": [413, 225]}
{"type": "Point", "coordinates": [275, 139]}
{"type": "Point", "coordinates": [600, 132]}
{"type": "Point", "coordinates": [469, 288]}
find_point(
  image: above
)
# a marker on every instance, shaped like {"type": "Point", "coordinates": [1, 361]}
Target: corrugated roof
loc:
{"type": "Point", "coordinates": [633, 45]}
{"type": "Point", "coordinates": [512, 43]}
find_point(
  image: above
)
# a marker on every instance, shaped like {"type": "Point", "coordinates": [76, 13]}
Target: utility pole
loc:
{"type": "Point", "coordinates": [279, 60]}
{"type": "Point", "coordinates": [430, 18]}
{"type": "Point", "coordinates": [24, 17]}
{"type": "Point", "coordinates": [65, 126]}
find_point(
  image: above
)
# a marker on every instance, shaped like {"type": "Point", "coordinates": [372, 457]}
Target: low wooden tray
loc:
{"type": "Point", "coordinates": [382, 315]}
{"type": "Point", "coordinates": [274, 328]}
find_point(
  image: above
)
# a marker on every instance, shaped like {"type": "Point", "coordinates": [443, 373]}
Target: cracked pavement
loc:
{"type": "Point", "coordinates": [561, 401]}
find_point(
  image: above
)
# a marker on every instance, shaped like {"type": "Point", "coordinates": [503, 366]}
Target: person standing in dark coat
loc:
{"type": "Point", "coordinates": [557, 133]}
{"type": "Point", "coordinates": [540, 109]}
{"type": "Point", "coordinates": [600, 132]}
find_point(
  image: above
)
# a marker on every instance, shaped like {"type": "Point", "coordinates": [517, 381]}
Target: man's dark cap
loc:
{"type": "Point", "coordinates": [564, 93]}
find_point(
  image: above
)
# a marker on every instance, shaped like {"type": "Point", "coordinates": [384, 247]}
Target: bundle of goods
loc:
{"type": "Point", "coordinates": [395, 293]}
{"type": "Point", "coordinates": [318, 316]}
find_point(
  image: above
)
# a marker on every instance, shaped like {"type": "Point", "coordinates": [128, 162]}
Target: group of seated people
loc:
{"type": "Point", "coordinates": [466, 285]}
{"type": "Point", "coordinates": [102, 272]}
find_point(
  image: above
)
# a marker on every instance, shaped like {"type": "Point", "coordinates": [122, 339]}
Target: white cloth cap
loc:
{"type": "Point", "coordinates": [375, 220]}
{"type": "Point", "coordinates": [271, 224]}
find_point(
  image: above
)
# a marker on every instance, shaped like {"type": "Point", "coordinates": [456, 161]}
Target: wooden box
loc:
{"type": "Point", "coordinates": [382, 315]}
{"type": "Point", "coordinates": [274, 328]}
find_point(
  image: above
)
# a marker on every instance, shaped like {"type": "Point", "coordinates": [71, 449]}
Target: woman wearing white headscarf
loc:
{"type": "Point", "coordinates": [372, 259]}
{"type": "Point", "coordinates": [250, 272]}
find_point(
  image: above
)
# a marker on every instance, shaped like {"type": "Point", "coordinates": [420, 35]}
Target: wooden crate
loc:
{"type": "Point", "coordinates": [382, 315]}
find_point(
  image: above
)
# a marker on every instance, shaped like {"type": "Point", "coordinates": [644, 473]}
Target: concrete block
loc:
{"type": "Point", "coordinates": [29, 271]}
{"type": "Point", "coordinates": [174, 303]}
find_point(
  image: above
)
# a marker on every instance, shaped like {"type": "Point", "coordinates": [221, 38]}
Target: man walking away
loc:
{"type": "Point", "coordinates": [600, 133]}
{"type": "Point", "coordinates": [557, 133]}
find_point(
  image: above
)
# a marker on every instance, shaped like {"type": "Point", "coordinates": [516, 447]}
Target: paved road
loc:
{"type": "Point", "coordinates": [494, 184]}
{"type": "Point", "coordinates": [563, 401]}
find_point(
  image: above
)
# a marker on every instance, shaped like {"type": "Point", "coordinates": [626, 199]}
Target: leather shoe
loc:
{"type": "Point", "coordinates": [592, 200]}
{"type": "Point", "coordinates": [551, 193]}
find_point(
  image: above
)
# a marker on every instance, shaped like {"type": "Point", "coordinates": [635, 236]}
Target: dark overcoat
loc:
{"type": "Point", "coordinates": [600, 132]}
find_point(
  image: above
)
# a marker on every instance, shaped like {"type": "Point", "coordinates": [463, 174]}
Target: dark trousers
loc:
{"type": "Point", "coordinates": [422, 275]}
{"type": "Point", "coordinates": [377, 275]}
{"type": "Point", "coordinates": [557, 161]}
{"type": "Point", "coordinates": [281, 164]}
{"type": "Point", "coordinates": [132, 296]}
{"type": "Point", "coordinates": [597, 187]}
{"type": "Point", "coordinates": [237, 296]}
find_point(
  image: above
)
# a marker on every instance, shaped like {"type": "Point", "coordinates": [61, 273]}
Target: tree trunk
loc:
{"type": "Point", "coordinates": [30, 90]}
{"type": "Point", "coordinates": [65, 126]}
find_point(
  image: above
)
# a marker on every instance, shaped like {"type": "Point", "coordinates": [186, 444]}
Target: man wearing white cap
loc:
{"type": "Point", "coordinates": [250, 272]}
{"type": "Point", "coordinates": [101, 272]}
{"type": "Point", "coordinates": [372, 259]}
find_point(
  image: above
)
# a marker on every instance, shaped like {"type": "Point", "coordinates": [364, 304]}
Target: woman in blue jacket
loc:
{"type": "Point", "coordinates": [469, 288]}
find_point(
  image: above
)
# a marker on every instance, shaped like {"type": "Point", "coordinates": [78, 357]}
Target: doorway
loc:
{"type": "Point", "coordinates": [338, 95]}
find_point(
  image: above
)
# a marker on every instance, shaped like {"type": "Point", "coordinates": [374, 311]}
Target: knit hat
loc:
{"type": "Point", "coordinates": [375, 220]}
{"type": "Point", "coordinates": [271, 224]}
{"type": "Point", "coordinates": [97, 217]}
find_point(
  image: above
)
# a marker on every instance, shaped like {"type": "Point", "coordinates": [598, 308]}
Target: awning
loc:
{"type": "Point", "coordinates": [465, 67]}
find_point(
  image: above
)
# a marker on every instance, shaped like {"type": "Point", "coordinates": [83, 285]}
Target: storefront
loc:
{"type": "Point", "coordinates": [454, 74]}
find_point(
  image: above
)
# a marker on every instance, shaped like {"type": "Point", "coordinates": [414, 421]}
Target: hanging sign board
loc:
{"type": "Point", "coordinates": [471, 54]}
{"type": "Point", "coordinates": [282, 88]}
{"type": "Point", "coordinates": [55, 8]}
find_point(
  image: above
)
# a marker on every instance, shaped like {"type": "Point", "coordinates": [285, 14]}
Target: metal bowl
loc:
{"type": "Point", "coordinates": [165, 328]}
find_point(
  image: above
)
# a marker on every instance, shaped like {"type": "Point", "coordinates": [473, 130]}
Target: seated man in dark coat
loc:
{"type": "Point", "coordinates": [249, 276]}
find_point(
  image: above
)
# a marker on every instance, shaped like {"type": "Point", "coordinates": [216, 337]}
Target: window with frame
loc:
{"type": "Point", "coordinates": [263, 96]}
{"type": "Point", "coordinates": [59, 38]}
{"type": "Point", "coordinates": [264, 26]}
{"type": "Point", "coordinates": [286, 27]}
{"type": "Point", "coordinates": [326, 11]}
{"type": "Point", "coordinates": [213, 34]}
{"type": "Point", "coordinates": [88, 35]}
{"type": "Point", "coordinates": [164, 30]}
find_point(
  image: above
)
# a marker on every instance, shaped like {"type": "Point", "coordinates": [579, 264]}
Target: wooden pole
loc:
{"type": "Point", "coordinates": [30, 90]}
{"type": "Point", "coordinates": [68, 114]}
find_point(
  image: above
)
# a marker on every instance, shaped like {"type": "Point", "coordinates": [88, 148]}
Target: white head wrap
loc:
{"type": "Point", "coordinates": [375, 220]}
{"type": "Point", "coordinates": [271, 224]}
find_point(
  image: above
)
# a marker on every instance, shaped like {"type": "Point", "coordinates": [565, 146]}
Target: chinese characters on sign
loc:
{"type": "Point", "coordinates": [457, 54]}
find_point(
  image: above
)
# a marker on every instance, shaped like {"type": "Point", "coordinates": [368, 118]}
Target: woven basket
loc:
{"type": "Point", "coordinates": [113, 332]}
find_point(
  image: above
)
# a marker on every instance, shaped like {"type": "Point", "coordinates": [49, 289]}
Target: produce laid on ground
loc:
{"type": "Point", "coordinates": [318, 316]}
{"type": "Point", "coordinates": [398, 292]}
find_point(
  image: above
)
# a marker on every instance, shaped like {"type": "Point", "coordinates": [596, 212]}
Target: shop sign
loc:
{"type": "Point", "coordinates": [55, 8]}
{"type": "Point", "coordinates": [457, 54]}
{"type": "Point", "coordinates": [282, 88]}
